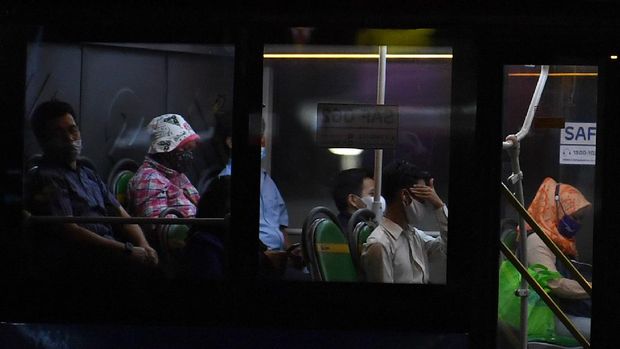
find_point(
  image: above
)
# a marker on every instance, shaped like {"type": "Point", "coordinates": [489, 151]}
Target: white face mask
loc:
{"type": "Point", "coordinates": [368, 200]}
{"type": "Point", "coordinates": [76, 147]}
{"type": "Point", "coordinates": [415, 212]}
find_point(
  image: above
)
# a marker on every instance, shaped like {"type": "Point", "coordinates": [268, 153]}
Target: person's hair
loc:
{"type": "Point", "coordinates": [46, 112]}
{"type": "Point", "coordinates": [347, 182]}
{"type": "Point", "coordinates": [399, 175]}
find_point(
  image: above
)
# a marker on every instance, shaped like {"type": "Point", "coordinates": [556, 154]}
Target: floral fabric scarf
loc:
{"type": "Point", "coordinates": [548, 213]}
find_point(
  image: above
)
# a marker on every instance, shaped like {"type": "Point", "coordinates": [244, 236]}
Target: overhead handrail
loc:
{"type": "Point", "coordinates": [544, 296]}
{"type": "Point", "coordinates": [531, 110]}
{"type": "Point", "coordinates": [552, 246]}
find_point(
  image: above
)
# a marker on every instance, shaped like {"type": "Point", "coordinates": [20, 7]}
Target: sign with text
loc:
{"type": "Point", "coordinates": [578, 143]}
{"type": "Point", "coordinates": [364, 126]}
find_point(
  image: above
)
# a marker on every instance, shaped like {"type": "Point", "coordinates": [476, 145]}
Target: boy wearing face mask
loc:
{"type": "Point", "coordinates": [354, 189]}
{"type": "Point", "coordinates": [396, 251]}
{"type": "Point", "coordinates": [161, 181]}
{"type": "Point", "coordinates": [62, 185]}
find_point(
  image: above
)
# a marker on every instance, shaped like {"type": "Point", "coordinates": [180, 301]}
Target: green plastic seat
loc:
{"type": "Point", "coordinates": [118, 180]}
{"type": "Point", "coordinates": [332, 251]}
{"type": "Point", "coordinates": [325, 247]}
{"type": "Point", "coordinates": [361, 224]}
{"type": "Point", "coordinates": [120, 186]}
{"type": "Point", "coordinates": [363, 232]}
{"type": "Point", "coordinates": [175, 237]}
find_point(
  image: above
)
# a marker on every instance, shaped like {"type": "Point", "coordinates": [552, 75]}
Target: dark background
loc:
{"type": "Point", "coordinates": [485, 37]}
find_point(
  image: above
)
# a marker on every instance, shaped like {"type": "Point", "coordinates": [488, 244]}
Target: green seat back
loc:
{"type": "Point", "coordinates": [176, 235]}
{"type": "Point", "coordinates": [362, 235]}
{"type": "Point", "coordinates": [332, 252]}
{"type": "Point", "coordinates": [121, 182]}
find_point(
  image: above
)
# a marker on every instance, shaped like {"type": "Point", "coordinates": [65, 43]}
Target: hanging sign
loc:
{"type": "Point", "coordinates": [364, 126]}
{"type": "Point", "coordinates": [578, 143]}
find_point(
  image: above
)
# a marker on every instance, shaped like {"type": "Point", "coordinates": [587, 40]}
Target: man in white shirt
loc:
{"type": "Point", "coordinates": [396, 251]}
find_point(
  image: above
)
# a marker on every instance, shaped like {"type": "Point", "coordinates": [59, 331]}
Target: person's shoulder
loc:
{"type": "Point", "coordinates": [44, 171]}
{"type": "Point", "coordinates": [534, 240]}
{"type": "Point", "coordinates": [149, 174]}
{"type": "Point", "coordinates": [378, 235]}
{"type": "Point", "coordinates": [90, 171]}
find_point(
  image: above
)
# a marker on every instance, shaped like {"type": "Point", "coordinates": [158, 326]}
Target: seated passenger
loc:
{"type": "Point", "coordinates": [204, 247]}
{"type": "Point", "coordinates": [160, 182]}
{"type": "Point", "coordinates": [396, 251]}
{"type": "Point", "coordinates": [62, 186]}
{"type": "Point", "coordinates": [221, 145]}
{"type": "Point", "coordinates": [558, 209]}
{"type": "Point", "coordinates": [354, 189]}
{"type": "Point", "coordinates": [273, 214]}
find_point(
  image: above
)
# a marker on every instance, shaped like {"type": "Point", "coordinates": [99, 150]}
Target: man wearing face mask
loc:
{"type": "Point", "coordinates": [396, 251]}
{"type": "Point", "coordinates": [62, 185]}
{"type": "Point", "coordinates": [354, 189]}
{"type": "Point", "coordinates": [160, 182]}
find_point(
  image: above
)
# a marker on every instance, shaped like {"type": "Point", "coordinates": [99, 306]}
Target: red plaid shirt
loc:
{"type": "Point", "coordinates": [156, 187]}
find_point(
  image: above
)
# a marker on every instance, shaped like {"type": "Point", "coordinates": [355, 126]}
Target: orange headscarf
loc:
{"type": "Point", "coordinates": [547, 214]}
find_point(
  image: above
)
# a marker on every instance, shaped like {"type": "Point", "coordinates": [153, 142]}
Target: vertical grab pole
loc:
{"type": "Point", "coordinates": [523, 290]}
{"type": "Point", "coordinates": [512, 145]}
{"type": "Point", "coordinates": [376, 205]}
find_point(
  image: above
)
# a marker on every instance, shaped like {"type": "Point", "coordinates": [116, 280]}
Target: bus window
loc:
{"type": "Point", "coordinates": [302, 81]}
{"type": "Point", "coordinates": [557, 161]}
{"type": "Point", "coordinates": [155, 124]}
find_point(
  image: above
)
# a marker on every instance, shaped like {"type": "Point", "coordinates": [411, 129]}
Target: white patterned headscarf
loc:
{"type": "Point", "coordinates": [168, 132]}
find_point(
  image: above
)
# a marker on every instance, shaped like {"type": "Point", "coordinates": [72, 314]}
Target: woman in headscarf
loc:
{"type": "Point", "coordinates": [558, 209]}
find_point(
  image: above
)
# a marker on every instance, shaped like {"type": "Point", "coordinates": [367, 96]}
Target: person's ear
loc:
{"type": "Point", "coordinates": [352, 201]}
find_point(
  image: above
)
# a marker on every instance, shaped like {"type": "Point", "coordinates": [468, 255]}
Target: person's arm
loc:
{"type": "Point", "coordinates": [285, 235]}
{"type": "Point", "coordinates": [130, 232]}
{"type": "Point", "coordinates": [539, 253]}
{"type": "Point", "coordinates": [428, 193]}
{"type": "Point", "coordinates": [377, 263]}
{"type": "Point", "coordinates": [85, 239]}
{"type": "Point", "coordinates": [134, 234]}
{"type": "Point", "coordinates": [282, 216]}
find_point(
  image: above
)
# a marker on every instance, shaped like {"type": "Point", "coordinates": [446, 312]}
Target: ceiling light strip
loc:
{"type": "Point", "coordinates": [551, 74]}
{"type": "Point", "coordinates": [355, 56]}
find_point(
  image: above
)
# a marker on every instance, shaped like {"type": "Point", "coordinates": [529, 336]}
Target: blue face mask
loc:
{"type": "Point", "coordinates": [568, 226]}
{"type": "Point", "coordinates": [263, 152]}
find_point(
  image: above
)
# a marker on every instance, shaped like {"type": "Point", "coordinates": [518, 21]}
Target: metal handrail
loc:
{"type": "Point", "coordinates": [552, 246]}
{"type": "Point", "coordinates": [125, 220]}
{"type": "Point", "coordinates": [531, 110]}
{"type": "Point", "coordinates": [544, 296]}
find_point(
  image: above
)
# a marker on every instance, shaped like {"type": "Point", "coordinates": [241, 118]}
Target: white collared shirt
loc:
{"type": "Point", "coordinates": [394, 255]}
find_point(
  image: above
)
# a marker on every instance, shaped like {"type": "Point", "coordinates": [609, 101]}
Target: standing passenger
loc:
{"type": "Point", "coordinates": [396, 251]}
{"type": "Point", "coordinates": [160, 182]}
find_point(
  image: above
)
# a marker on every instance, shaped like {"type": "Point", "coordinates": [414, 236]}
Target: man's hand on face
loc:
{"type": "Point", "coordinates": [427, 193]}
